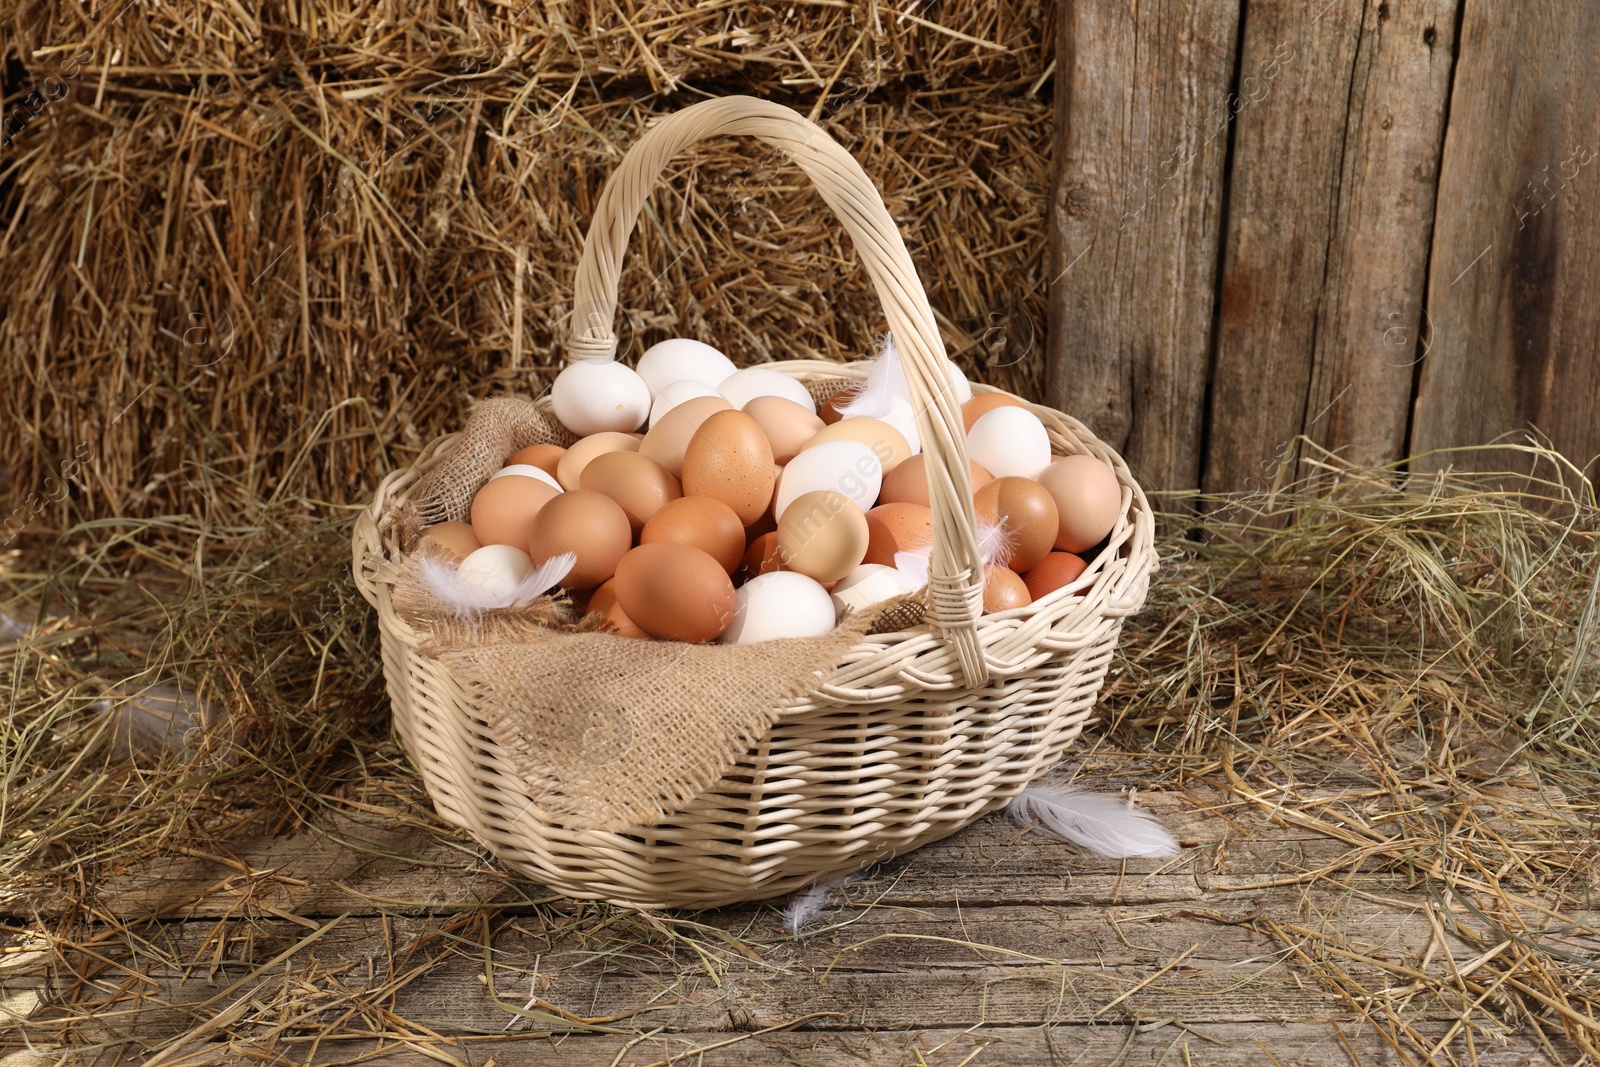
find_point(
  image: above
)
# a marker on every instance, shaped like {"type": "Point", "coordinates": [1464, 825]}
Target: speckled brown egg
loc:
{"type": "Point", "coordinates": [1051, 573]}
{"type": "Point", "coordinates": [589, 524]}
{"type": "Point", "coordinates": [729, 459]}
{"type": "Point", "coordinates": [545, 457]}
{"type": "Point", "coordinates": [983, 403]}
{"type": "Point", "coordinates": [569, 468]}
{"type": "Point", "coordinates": [822, 535]}
{"type": "Point", "coordinates": [895, 528]}
{"type": "Point", "coordinates": [768, 522]}
{"type": "Point", "coordinates": [456, 538]}
{"type": "Point", "coordinates": [702, 522]}
{"type": "Point", "coordinates": [1003, 589]}
{"type": "Point", "coordinates": [788, 426]}
{"type": "Point", "coordinates": [675, 592]}
{"type": "Point", "coordinates": [635, 482]}
{"type": "Point", "coordinates": [1028, 513]}
{"type": "Point", "coordinates": [668, 440]}
{"type": "Point", "coordinates": [503, 511]}
{"type": "Point", "coordinates": [908, 483]}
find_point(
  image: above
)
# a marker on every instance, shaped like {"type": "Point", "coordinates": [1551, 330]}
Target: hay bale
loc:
{"type": "Point", "coordinates": [808, 47]}
{"type": "Point", "coordinates": [284, 292]}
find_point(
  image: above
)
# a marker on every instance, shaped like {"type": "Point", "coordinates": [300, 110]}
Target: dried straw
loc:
{"type": "Point", "coordinates": [626, 46]}
{"type": "Point", "coordinates": [282, 282]}
{"type": "Point", "coordinates": [1398, 669]}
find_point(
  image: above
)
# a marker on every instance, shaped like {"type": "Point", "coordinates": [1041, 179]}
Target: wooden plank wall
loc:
{"type": "Point", "coordinates": [1515, 291]}
{"type": "Point", "coordinates": [1374, 224]}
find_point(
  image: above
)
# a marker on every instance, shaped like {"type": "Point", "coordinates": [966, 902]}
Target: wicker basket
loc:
{"type": "Point", "coordinates": [911, 737]}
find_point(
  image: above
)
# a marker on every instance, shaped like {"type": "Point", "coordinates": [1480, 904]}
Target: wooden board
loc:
{"type": "Point", "coordinates": [360, 864]}
{"type": "Point", "coordinates": [994, 946]}
{"type": "Point", "coordinates": [1283, 198]}
{"type": "Point", "coordinates": [1157, 1043]}
{"type": "Point", "coordinates": [1515, 324]}
{"type": "Point", "coordinates": [891, 968]}
{"type": "Point", "coordinates": [1134, 223]}
{"type": "Point", "coordinates": [1370, 318]}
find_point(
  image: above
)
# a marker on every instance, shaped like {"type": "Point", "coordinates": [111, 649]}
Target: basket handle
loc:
{"type": "Point", "coordinates": [955, 571]}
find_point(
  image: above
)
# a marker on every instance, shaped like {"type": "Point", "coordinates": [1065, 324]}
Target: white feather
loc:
{"type": "Point", "coordinates": [164, 716]}
{"type": "Point", "coordinates": [1106, 825]}
{"type": "Point", "coordinates": [807, 905]}
{"type": "Point", "coordinates": [994, 546]}
{"type": "Point", "coordinates": [10, 628]}
{"type": "Point", "coordinates": [468, 601]}
{"type": "Point", "coordinates": [914, 565]}
{"type": "Point", "coordinates": [994, 542]}
{"type": "Point", "coordinates": [874, 398]}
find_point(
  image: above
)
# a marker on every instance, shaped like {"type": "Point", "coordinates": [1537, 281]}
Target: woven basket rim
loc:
{"type": "Point", "coordinates": [377, 555]}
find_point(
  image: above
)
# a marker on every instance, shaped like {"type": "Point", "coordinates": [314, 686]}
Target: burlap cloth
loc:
{"type": "Point", "coordinates": [607, 732]}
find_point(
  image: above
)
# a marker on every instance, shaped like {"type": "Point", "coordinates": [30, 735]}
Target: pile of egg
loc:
{"type": "Point", "coordinates": [742, 513]}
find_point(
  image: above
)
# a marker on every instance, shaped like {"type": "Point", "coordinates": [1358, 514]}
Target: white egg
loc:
{"type": "Point", "coordinates": [681, 359]}
{"type": "Point", "coordinates": [847, 467]}
{"type": "Point", "coordinates": [599, 395]}
{"type": "Point", "coordinates": [779, 604]}
{"type": "Point", "coordinates": [675, 393]}
{"type": "Point", "coordinates": [744, 386]}
{"type": "Point", "coordinates": [901, 418]}
{"type": "Point", "coordinates": [528, 470]}
{"type": "Point", "coordinates": [496, 569]}
{"type": "Point", "coordinates": [958, 382]}
{"type": "Point", "coordinates": [1009, 442]}
{"type": "Point", "coordinates": [869, 584]}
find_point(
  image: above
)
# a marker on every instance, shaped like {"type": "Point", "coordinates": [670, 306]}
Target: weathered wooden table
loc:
{"type": "Point", "coordinates": [376, 938]}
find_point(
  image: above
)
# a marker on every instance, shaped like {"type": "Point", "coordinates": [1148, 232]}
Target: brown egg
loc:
{"type": "Point", "coordinates": [983, 403]}
{"type": "Point", "coordinates": [1003, 589]}
{"type": "Point", "coordinates": [822, 535]}
{"type": "Point", "coordinates": [908, 483]}
{"type": "Point", "coordinates": [675, 592]}
{"type": "Point", "coordinates": [1051, 573]}
{"type": "Point", "coordinates": [768, 522]}
{"type": "Point", "coordinates": [1028, 513]}
{"type": "Point", "coordinates": [728, 458]}
{"type": "Point", "coordinates": [504, 509]}
{"type": "Point", "coordinates": [895, 528]}
{"type": "Point", "coordinates": [788, 426]}
{"type": "Point", "coordinates": [762, 556]}
{"type": "Point", "coordinates": [617, 622]}
{"type": "Point", "coordinates": [455, 538]}
{"type": "Point", "coordinates": [886, 442]}
{"type": "Point", "coordinates": [634, 481]}
{"type": "Point", "coordinates": [589, 524]}
{"type": "Point", "coordinates": [569, 468]}
{"type": "Point", "coordinates": [545, 457]}
{"type": "Point", "coordinates": [702, 522]}
{"type": "Point", "coordinates": [668, 439]}
{"type": "Point", "coordinates": [765, 524]}
{"type": "Point", "coordinates": [604, 595]}
{"type": "Point", "coordinates": [1088, 500]}
{"type": "Point", "coordinates": [828, 412]}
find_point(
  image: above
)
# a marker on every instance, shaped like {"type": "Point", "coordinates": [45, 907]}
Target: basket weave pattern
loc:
{"type": "Point", "coordinates": [912, 736]}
